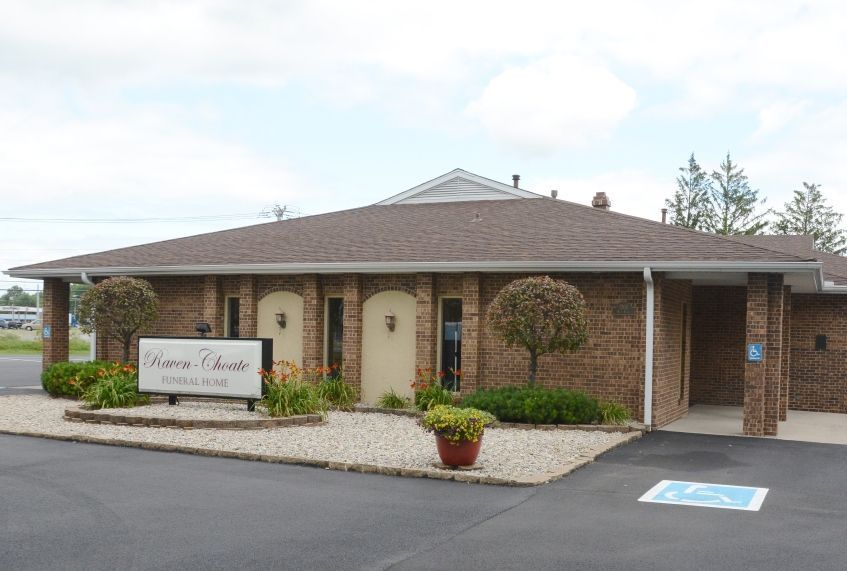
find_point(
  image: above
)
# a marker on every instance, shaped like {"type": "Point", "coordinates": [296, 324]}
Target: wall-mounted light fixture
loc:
{"type": "Point", "coordinates": [390, 320]}
{"type": "Point", "coordinates": [280, 319]}
{"type": "Point", "coordinates": [202, 328]}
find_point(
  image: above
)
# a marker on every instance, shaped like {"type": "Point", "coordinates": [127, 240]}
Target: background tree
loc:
{"type": "Point", "coordinates": [540, 314]}
{"type": "Point", "coordinates": [808, 214]}
{"type": "Point", "coordinates": [16, 295]}
{"type": "Point", "coordinates": [118, 308]}
{"type": "Point", "coordinates": [689, 206]}
{"type": "Point", "coordinates": [733, 203]}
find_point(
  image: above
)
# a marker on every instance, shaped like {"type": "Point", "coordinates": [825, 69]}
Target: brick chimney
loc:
{"type": "Point", "coordinates": [601, 201]}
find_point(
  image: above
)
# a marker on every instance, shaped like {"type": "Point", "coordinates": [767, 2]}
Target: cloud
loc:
{"type": "Point", "coordinates": [812, 149]}
{"type": "Point", "coordinates": [555, 103]}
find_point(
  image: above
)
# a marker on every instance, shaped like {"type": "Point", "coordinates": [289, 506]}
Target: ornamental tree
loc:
{"type": "Point", "coordinates": [118, 308]}
{"type": "Point", "coordinates": [542, 315]}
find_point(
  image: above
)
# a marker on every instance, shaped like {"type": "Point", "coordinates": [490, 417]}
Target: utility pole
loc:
{"type": "Point", "coordinates": [279, 212]}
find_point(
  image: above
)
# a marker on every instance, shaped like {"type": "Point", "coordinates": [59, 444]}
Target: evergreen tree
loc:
{"type": "Point", "coordinates": [690, 203]}
{"type": "Point", "coordinates": [808, 214]}
{"type": "Point", "coordinates": [733, 203]}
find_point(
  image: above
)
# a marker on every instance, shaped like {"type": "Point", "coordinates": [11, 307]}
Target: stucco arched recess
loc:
{"type": "Point", "coordinates": [388, 357]}
{"type": "Point", "coordinates": [402, 289]}
{"type": "Point", "coordinates": [288, 341]}
{"type": "Point", "coordinates": [287, 288]}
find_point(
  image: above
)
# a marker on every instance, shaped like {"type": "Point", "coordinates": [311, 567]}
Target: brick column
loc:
{"type": "Point", "coordinates": [754, 373]}
{"type": "Point", "coordinates": [773, 354]}
{"type": "Point", "coordinates": [213, 305]}
{"type": "Point", "coordinates": [313, 322]}
{"type": "Point", "coordinates": [470, 333]}
{"type": "Point", "coordinates": [786, 354]}
{"type": "Point", "coordinates": [426, 324]}
{"type": "Point", "coordinates": [352, 349]}
{"type": "Point", "coordinates": [55, 316]}
{"type": "Point", "coordinates": [247, 306]}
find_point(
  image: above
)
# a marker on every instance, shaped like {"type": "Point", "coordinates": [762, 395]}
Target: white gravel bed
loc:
{"type": "Point", "coordinates": [364, 438]}
{"type": "Point", "coordinates": [185, 410]}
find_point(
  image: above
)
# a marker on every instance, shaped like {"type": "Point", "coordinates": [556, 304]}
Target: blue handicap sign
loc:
{"type": "Point", "coordinates": [46, 332]}
{"type": "Point", "coordinates": [706, 495]}
{"type": "Point", "coordinates": [754, 353]}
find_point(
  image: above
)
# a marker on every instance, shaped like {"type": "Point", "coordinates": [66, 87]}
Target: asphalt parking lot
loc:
{"type": "Point", "coordinates": [76, 506]}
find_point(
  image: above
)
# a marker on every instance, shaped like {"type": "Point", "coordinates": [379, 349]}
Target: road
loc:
{"type": "Point", "coordinates": [18, 371]}
{"type": "Point", "coordinates": [81, 506]}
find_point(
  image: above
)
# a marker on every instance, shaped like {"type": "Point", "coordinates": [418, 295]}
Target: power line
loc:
{"type": "Point", "coordinates": [209, 218]}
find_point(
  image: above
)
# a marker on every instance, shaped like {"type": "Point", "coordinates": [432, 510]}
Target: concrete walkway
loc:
{"type": "Point", "coordinates": [826, 428]}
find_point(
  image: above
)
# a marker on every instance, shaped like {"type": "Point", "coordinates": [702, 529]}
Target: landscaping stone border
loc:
{"type": "Point", "coordinates": [457, 475]}
{"type": "Point", "coordinates": [100, 417]}
{"type": "Point", "coordinates": [631, 427]}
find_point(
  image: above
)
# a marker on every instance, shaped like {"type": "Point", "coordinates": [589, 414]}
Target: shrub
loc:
{"type": "Point", "coordinates": [428, 390]}
{"type": "Point", "coordinates": [71, 379]}
{"type": "Point", "coordinates": [456, 424]}
{"type": "Point", "coordinates": [289, 391]}
{"type": "Point", "coordinates": [613, 413]}
{"type": "Point", "coordinates": [536, 405]}
{"type": "Point", "coordinates": [336, 392]}
{"type": "Point", "coordinates": [390, 399]}
{"type": "Point", "coordinates": [115, 387]}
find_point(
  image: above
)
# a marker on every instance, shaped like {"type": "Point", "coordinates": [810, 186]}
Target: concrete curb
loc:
{"type": "Point", "coordinates": [139, 420]}
{"type": "Point", "coordinates": [457, 476]}
{"type": "Point", "coordinates": [630, 427]}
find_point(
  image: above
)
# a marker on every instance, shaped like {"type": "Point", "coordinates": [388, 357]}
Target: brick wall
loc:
{"type": "Point", "coordinates": [55, 316]}
{"type": "Point", "coordinates": [611, 364]}
{"type": "Point", "coordinates": [717, 345]}
{"type": "Point", "coordinates": [755, 373]}
{"type": "Point", "coordinates": [671, 366]}
{"type": "Point", "coordinates": [818, 379]}
{"type": "Point", "coordinates": [352, 346]}
{"type": "Point", "coordinates": [426, 333]}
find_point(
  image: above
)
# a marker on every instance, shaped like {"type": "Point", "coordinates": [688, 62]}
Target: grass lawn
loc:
{"type": "Point", "coordinates": [29, 343]}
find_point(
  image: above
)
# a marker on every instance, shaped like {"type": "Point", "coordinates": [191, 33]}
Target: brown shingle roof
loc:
{"type": "Point", "coordinates": [834, 266]}
{"type": "Point", "coordinates": [526, 230]}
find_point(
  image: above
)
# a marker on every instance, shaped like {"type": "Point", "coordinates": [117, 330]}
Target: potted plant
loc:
{"type": "Point", "coordinates": [458, 432]}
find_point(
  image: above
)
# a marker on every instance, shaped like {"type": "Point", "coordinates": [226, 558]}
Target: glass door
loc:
{"type": "Point", "coordinates": [451, 342]}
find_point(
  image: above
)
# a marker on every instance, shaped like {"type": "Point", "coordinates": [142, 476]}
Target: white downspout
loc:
{"type": "Point", "coordinates": [92, 350]}
{"type": "Point", "coordinates": [648, 349]}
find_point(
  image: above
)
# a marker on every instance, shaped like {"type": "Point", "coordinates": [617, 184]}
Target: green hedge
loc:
{"type": "Point", "coordinates": [71, 379]}
{"type": "Point", "coordinates": [536, 405]}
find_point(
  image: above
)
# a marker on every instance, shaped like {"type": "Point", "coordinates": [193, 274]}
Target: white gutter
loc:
{"type": "Point", "coordinates": [648, 349]}
{"type": "Point", "coordinates": [414, 267]}
{"type": "Point", "coordinates": [92, 349]}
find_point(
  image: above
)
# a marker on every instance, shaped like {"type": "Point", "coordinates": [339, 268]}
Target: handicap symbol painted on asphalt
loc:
{"type": "Point", "coordinates": [706, 495]}
{"type": "Point", "coordinates": [754, 353]}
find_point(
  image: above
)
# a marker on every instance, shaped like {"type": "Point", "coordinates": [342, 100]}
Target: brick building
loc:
{"type": "Point", "coordinates": [406, 283]}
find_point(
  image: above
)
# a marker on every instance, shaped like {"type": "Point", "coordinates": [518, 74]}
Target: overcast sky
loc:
{"type": "Point", "coordinates": [151, 110]}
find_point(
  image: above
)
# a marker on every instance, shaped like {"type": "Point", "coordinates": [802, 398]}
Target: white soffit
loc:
{"type": "Point", "coordinates": [458, 186]}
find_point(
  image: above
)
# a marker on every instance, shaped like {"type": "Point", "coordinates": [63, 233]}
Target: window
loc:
{"type": "Point", "coordinates": [231, 318]}
{"type": "Point", "coordinates": [334, 331]}
{"type": "Point", "coordinates": [451, 342]}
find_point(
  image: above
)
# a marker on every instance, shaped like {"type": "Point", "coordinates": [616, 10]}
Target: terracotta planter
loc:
{"type": "Point", "coordinates": [462, 454]}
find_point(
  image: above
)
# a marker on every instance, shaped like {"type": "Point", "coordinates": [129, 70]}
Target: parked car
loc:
{"type": "Point", "coordinates": [9, 324]}
{"type": "Point", "coordinates": [34, 324]}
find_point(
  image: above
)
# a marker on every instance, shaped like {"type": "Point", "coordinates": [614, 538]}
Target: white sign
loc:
{"type": "Point", "coordinates": [203, 366]}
